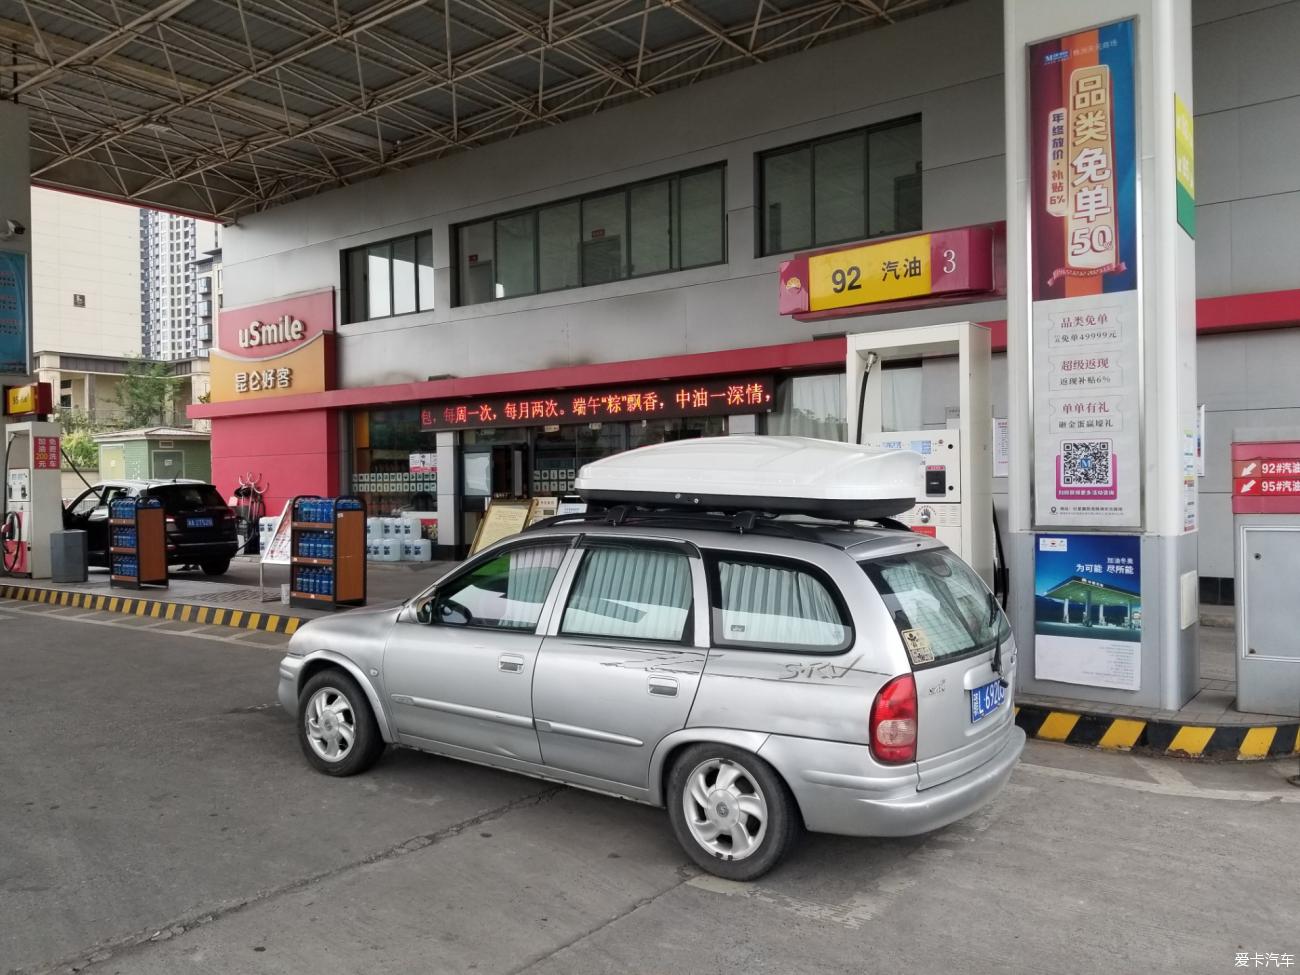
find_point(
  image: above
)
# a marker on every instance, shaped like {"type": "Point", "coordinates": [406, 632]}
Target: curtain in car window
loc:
{"type": "Point", "coordinates": [532, 570]}
{"type": "Point", "coordinates": [768, 604]}
{"type": "Point", "coordinates": [938, 594]}
{"type": "Point", "coordinates": [641, 594]}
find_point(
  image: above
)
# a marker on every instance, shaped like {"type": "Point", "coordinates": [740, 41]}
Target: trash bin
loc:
{"type": "Point", "coordinates": [68, 556]}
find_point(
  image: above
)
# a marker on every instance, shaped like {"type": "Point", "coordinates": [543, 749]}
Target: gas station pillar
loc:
{"type": "Point", "coordinates": [1101, 344]}
{"type": "Point", "coordinates": [15, 247]}
{"type": "Point", "coordinates": [15, 252]}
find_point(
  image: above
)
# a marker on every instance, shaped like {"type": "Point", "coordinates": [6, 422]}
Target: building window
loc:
{"type": "Point", "coordinates": [850, 186]}
{"type": "Point", "coordinates": [665, 224]}
{"type": "Point", "coordinates": [78, 301]}
{"type": "Point", "coordinates": [392, 277]}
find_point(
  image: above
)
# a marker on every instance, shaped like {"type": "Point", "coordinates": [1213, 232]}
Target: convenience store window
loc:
{"type": "Point", "coordinates": [541, 462]}
{"type": "Point", "coordinates": [810, 406]}
{"type": "Point", "coordinates": [394, 464]}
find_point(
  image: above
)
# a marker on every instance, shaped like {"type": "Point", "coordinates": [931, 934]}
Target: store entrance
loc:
{"type": "Point", "coordinates": [496, 471]}
{"type": "Point", "coordinates": [543, 462]}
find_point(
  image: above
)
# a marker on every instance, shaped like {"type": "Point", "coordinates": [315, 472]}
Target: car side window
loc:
{"type": "Point", "coordinates": [504, 593]}
{"type": "Point", "coordinates": [632, 592]}
{"type": "Point", "coordinates": [775, 604]}
{"type": "Point", "coordinates": [85, 504]}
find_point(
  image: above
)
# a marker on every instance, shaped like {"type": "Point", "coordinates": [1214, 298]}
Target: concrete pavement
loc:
{"type": "Point", "coordinates": [157, 817]}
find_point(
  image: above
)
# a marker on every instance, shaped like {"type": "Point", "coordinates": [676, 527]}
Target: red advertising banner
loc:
{"type": "Point", "coordinates": [1083, 163]}
{"type": "Point", "coordinates": [662, 401]}
{"type": "Point", "coordinates": [1266, 478]}
{"type": "Point", "coordinates": [45, 453]}
{"type": "Point", "coordinates": [1085, 323]}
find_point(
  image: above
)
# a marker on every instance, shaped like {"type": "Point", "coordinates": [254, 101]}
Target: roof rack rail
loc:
{"type": "Point", "coordinates": [741, 521]}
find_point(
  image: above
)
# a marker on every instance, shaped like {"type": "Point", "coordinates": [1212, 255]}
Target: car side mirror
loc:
{"type": "Point", "coordinates": [424, 610]}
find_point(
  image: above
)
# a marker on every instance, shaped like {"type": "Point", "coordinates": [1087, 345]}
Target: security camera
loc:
{"type": "Point", "coordinates": [14, 228]}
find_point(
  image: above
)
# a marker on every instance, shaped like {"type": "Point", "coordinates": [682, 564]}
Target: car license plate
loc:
{"type": "Point", "coordinates": [200, 523]}
{"type": "Point", "coordinates": [987, 699]}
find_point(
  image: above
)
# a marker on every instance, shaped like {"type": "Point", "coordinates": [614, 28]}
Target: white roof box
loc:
{"type": "Point", "coordinates": [780, 475]}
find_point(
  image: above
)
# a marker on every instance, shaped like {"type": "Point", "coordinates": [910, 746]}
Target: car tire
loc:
{"type": "Point", "coordinates": [720, 797]}
{"type": "Point", "coordinates": [215, 567]}
{"type": "Point", "coordinates": [331, 708]}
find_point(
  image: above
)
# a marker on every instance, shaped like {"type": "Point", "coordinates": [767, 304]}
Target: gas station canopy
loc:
{"type": "Point", "coordinates": [222, 107]}
{"type": "Point", "coordinates": [1079, 590]}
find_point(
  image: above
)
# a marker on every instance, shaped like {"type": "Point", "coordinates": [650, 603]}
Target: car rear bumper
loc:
{"type": "Point", "coordinates": [886, 802]}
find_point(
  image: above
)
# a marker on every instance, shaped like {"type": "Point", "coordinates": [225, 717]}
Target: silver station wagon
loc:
{"type": "Point", "coordinates": [756, 674]}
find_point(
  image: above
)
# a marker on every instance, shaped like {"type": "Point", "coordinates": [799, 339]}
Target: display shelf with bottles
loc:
{"type": "Point", "coordinates": [327, 543]}
{"type": "Point", "coordinates": [137, 543]}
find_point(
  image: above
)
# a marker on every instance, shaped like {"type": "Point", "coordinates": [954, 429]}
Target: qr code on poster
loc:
{"type": "Point", "coordinates": [1085, 462]}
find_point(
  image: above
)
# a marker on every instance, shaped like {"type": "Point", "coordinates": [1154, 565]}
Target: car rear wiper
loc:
{"type": "Point", "coordinates": [997, 640]}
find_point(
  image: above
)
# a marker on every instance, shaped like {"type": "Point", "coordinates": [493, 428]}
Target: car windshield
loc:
{"type": "Point", "coordinates": [187, 497]}
{"type": "Point", "coordinates": [937, 603]}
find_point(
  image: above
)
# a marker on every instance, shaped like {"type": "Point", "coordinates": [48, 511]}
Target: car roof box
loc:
{"type": "Point", "coordinates": [776, 475]}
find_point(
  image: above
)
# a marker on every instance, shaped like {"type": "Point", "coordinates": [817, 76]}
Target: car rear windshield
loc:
{"type": "Point", "coordinates": [941, 608]}
{"type": "Point", "coordinates": [188, 497]}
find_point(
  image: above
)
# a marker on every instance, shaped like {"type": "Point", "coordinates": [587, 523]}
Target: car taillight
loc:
{"type": "Point", "coordinates": [893, 722]}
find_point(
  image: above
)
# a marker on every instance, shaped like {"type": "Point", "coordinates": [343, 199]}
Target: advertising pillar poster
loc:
{"type": "Point", "coordinates": [1085, 329]}
{"type": "Point", "coordinates": [1088, 610]}
{"type": "Point", "coordinates": [13, 314]}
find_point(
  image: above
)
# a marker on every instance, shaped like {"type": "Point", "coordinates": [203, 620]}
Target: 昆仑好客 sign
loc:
{"type": "Point", "coordinates": [1086, 332]}
{"type": "Point", "coordinates": [662, 401]}
{"type": "Point", "coordinates": [279, 348]}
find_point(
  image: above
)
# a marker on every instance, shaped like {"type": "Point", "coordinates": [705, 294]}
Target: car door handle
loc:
{"type": "Point", "coordinates": [663, 686]}
{"type": "Point", "coordinates": [511, 663]}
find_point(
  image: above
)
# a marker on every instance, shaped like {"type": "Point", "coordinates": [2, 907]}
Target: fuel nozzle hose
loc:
{"type": "Point", "coordinates": [10, 524]}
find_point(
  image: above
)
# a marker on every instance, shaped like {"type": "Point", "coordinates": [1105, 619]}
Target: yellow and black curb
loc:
{"type": "Point", "coordinates": [157, 609]}
{"type": "Point", "coordinates": [1172, 738]}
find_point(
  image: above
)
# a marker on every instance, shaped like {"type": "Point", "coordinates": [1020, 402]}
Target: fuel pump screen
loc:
{"type": "Point", "coordinates": [19, 486]}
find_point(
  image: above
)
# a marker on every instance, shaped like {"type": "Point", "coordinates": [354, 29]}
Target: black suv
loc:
{"type": "Point", "coordinates": [200, 525]}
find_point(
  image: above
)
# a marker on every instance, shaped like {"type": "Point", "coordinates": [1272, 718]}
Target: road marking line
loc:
{"type": "Point", "coordinates": [1187, 791]}
{"type": "Point", "coordinates": [1163, 772]}
{"type": "Point", "coordinates": [217, 634]}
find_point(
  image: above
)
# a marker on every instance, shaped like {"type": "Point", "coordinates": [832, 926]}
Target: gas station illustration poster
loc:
{"type": "Point", "coordinates": [1083, 163]}
{"type": "Point", "coordinates": [1088, 610]}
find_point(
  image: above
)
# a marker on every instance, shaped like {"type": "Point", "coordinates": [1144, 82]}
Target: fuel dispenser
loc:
{"type": "Point", "coordinates": [955, 498]}
{"type": "Point", "coordinates": [33, 502]}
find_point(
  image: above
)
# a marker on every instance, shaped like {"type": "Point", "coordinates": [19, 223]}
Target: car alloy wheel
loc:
{"type": "Point", "coordinates": [331, 724]}
{"type": "Point", "coordinates": [725, 809]}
